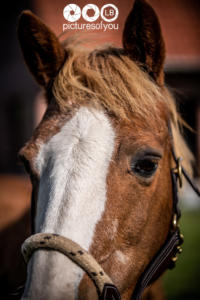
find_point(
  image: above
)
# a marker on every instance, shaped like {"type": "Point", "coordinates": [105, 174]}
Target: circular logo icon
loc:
{"type": "Point", "coordinates": [72, 12]}
{"type": "Point", "coordinates": [109, 12]}
{"type": "Point", "coordinates": [90, 12]}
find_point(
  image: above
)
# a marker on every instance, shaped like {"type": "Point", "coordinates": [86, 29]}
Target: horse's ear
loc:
{"type": "Point", "coordinates": [143, 41]}
{"type": "Point", "coordinates": [42, 51]}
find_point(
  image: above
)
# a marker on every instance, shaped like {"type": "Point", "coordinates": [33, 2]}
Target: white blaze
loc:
{"type": "Point", "coordinates": [73, 167]}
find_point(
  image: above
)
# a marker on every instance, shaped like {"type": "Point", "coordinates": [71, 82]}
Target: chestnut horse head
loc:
{"type": "Point", "coordinates": [101, 157]}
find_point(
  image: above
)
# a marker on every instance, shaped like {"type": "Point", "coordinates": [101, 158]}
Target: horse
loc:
{"type": "Point", "coordinates": [103, 163]}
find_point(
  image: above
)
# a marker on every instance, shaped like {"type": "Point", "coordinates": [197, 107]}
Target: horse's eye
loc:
{"type": "Point", "coordinates": [145, 167]}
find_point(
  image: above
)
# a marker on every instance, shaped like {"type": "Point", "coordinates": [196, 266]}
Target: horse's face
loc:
{"type": "Point", "coordinates": [101, 181]}
{"type": "Point", "coordinates": [104, 186]}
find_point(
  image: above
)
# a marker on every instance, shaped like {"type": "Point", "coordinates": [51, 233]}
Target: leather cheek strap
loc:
{"type": "Point", "coordinates": [159, 264]}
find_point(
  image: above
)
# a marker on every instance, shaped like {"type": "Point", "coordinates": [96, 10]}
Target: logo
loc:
{"type": "Point", "coordinates": [109, 10]}
{"type": "Point", "coordinates": [107, 14]}
{"type": "Point", "coordinates": [72, 12]}
{"type": "Point", "coordinates": [93, 10]}
{"type": "Point", "coordinates": [90, 12]}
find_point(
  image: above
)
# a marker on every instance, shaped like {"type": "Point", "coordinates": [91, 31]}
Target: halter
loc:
{"type": "Point", "coordinates": [164, 259]}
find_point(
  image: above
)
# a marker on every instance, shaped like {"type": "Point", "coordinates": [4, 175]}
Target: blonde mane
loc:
{"type": "Point", "coordinates": [108, 78]}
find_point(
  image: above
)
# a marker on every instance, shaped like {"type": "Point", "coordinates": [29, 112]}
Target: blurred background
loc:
{"type": "Point", "coordinates": [21, 108]}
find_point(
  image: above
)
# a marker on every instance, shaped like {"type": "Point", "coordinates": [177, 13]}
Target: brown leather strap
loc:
{"type": "Point", "coordinates": [186, 175]}
{"type": "Point", "coordinates": [192, 184]}
{"type": "Point", "coordinates": [158, 265]}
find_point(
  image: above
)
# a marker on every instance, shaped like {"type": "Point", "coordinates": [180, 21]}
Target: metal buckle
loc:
{"type": "Point", "coordinates": [178, 171]}
{"type": "Point", "coordinates": [178, 248]}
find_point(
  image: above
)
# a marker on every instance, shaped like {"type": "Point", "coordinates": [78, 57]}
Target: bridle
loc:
{"type": "Point", "coordinates": [164, 259]}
